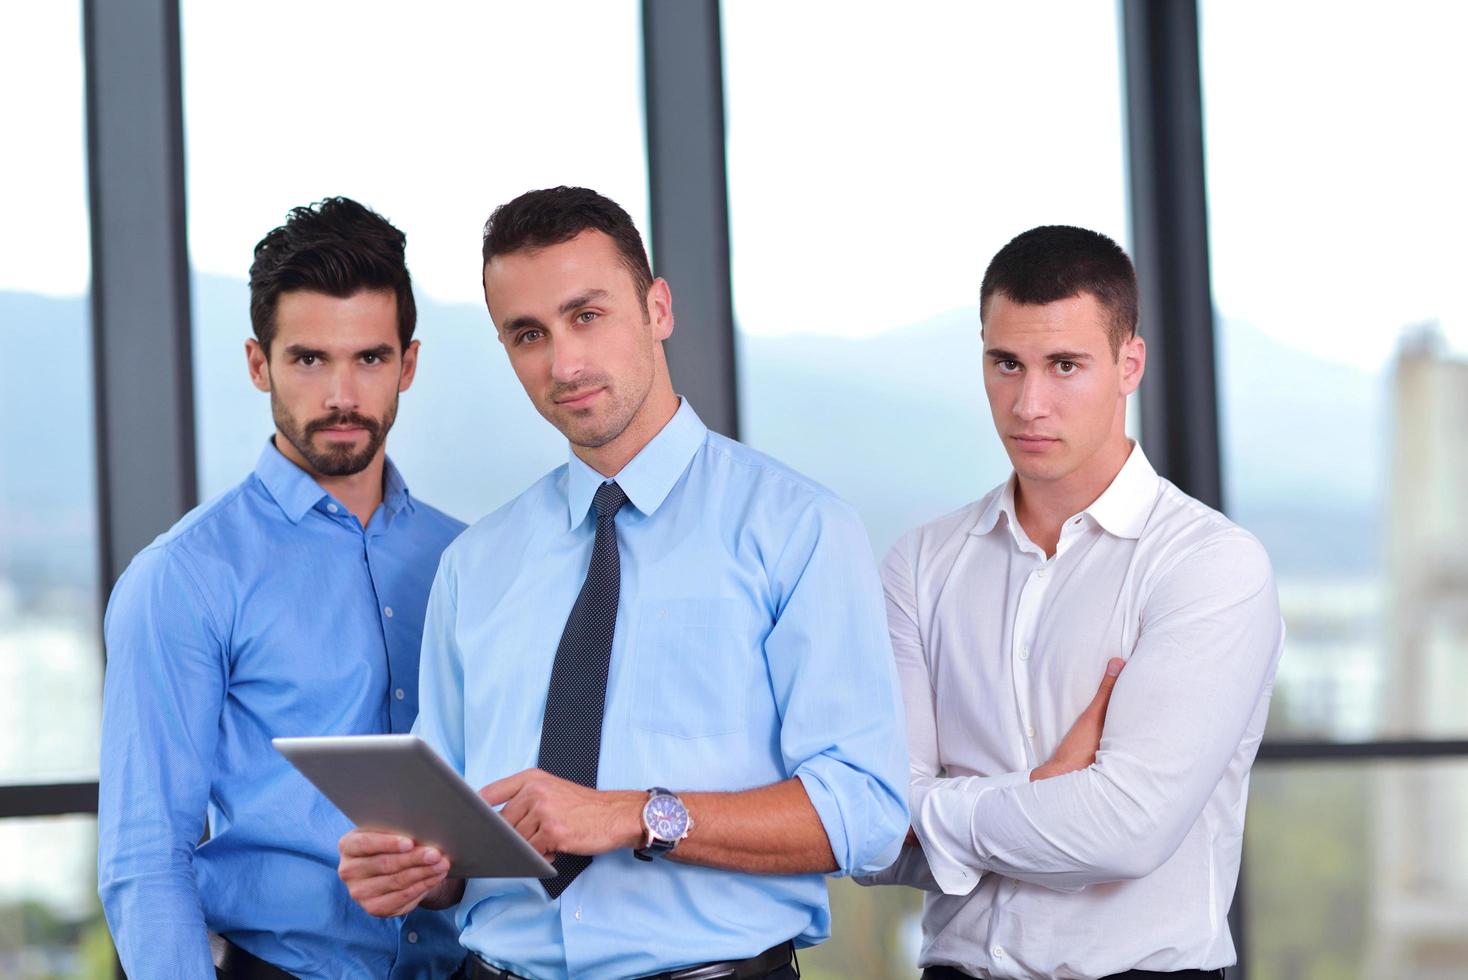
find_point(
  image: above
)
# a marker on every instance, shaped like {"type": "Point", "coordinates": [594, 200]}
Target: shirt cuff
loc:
{"type": "Point", "coordinates": [942, 819]}
{"type": "Point", "coordinates": [910, 869]}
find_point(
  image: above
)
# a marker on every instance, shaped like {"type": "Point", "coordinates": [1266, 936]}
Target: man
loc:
{"type": "Point", "coordinates": [671, 645]}
{"type": "Point", "coordinates": [1003, 613]}
{"type": "Point", "coordinates": [291, 605]}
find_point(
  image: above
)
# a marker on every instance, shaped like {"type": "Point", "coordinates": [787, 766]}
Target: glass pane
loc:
{"type": "Point", "coordinates": [1335, 199]}
{"type": "Point", "coordinates": [50, 657]}
{"type": "Point", "coordinates": [1357, 871]}
{"type": "Point", "coordinates": [876, 164]}
{"type": "Point", "coordinates": [432, 115]}
{"type": "Point", "coordinates": [51, 923]}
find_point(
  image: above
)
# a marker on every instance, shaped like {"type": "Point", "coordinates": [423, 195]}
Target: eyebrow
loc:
{"type": "Point", "coordinates": [381, 350]}
{"type": "Point", "coordinates": [301, 350]}
{"type": "Point", "coordinates": [996, 354]}
{"type": "Point", "coordinates": [590, 296]}
{"type": "Point", "coordinates": [575, 302]}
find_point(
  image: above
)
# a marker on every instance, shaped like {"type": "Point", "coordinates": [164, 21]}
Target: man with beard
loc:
{"type": "Point", "coordinates": [291, 605]}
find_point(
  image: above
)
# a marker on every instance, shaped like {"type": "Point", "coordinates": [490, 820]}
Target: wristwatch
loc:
{"type": "Point", "coordinates": [665, 822]}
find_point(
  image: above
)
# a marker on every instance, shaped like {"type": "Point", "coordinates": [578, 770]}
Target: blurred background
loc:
{"type": "Point", "coordinates": [823, 183]}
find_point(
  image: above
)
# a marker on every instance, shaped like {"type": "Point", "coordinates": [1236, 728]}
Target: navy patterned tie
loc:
{"type": "Point", "coordinates": [570, 734]}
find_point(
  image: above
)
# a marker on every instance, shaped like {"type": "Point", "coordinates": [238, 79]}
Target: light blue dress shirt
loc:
{"type": "Point", "coordinates": [751, 646]}
{"type": "Point", "coordinates": [267, 611]}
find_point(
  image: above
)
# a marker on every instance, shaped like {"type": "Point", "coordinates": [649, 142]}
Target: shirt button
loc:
{"type": "Point", "coordinates": [998, 952]}
{"type": "Point", "coordinates": [387, 611]}
{"type": "Point", "coordinates": [578, 913]}
{"type": "Point", "coordinates": [412, 937]}
{"type": "Point", "coordinates": [400, 694]}
{"type": "Point", "coordinates": [1041, 572]}
{"type": "Point", "coordinates": [1024, 653]}
{"type": "Point", "coordinates": [332, 508]}
{"type": "Point", "coordinates": [1030, 730]}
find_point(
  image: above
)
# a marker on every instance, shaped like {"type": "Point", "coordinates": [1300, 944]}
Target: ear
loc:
{"type": "Point", "coordinates": [660, 309]}
{"type": "Point", "coordinates": [1133, 357]}
{"type": "Point", "coordinates": [410, 367]}
{"type": "Point", "coordinates": [259, 364]}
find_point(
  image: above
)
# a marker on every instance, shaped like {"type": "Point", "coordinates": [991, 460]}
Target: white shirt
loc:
{"type": "Point", "coordinates": [1132, 862]}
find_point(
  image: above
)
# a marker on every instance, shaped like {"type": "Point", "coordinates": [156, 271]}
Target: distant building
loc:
{"type": "Point", "coordinates": [1418, 913]}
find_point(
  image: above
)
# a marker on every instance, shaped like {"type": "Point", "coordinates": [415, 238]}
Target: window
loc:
{"type": "Point", "coordinates": [876, 164]}
{"type": "Point", "coordinates": [432, 117]}
{"type": "Point", "coordinates": [50, 656]}
{"type": "Point", "coordinates": [1335, 195]}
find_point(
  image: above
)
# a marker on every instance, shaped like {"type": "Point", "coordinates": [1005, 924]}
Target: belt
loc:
{"type": "Point", "coordinates": [233, 963]}
{"type": "Point", "coordinates": [756, 966]}
{"type": "Point", "coordinates": [949, 973]}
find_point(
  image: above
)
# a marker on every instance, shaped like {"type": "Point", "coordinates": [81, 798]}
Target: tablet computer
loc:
{"type": "Point", "coordinates": [396, 783]}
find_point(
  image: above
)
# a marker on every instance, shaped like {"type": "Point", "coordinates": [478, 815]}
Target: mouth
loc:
{"type": "Point", "coordinates": [1034, 443]}
{"type": "Point", "coordinates": [579, 399]}
{"type": "Point", "coordinates": [341, 433]}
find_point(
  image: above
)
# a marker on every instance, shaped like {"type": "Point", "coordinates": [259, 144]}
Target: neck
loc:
{"type": "Point", "coordinates": [656, 412]}
{"type": "Point", "coordinates": [1043, 506]}
{"type": "Point", "coordinates": [361, 492]}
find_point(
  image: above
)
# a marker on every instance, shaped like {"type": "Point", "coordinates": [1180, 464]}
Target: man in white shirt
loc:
{"type": "Point", "coordinates": [1003, 615]}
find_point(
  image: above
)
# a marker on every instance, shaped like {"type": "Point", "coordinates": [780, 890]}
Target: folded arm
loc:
{"type": "Point", "coordinates": [1200, 671]}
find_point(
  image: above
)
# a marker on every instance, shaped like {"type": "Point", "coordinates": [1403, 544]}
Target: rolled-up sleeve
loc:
{"type": "Point", "coordinates": [164, 691]}
{"type": "Point", "coordinates": [830, 663]}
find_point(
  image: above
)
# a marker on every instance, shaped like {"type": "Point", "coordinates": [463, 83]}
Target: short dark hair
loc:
{"type": "Point", "coordinates": [1055, 262]}
{"type": "Point", "coordinates": [337, 247]}
{"type": "Point", "coordinates": [537, 219]}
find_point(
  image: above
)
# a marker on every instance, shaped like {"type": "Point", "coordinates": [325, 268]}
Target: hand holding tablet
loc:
{"type": "Point", "coordinates": [397, 785]}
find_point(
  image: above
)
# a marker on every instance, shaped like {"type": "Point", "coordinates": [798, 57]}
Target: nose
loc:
{"type": "Point", "coordinates": [342, 394]}
{"type": "Point", "coordinates": [568, 357]}
{"type": "Point", "coordinates": [1032, 401]}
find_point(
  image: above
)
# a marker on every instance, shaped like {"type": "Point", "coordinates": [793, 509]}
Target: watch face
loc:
{"type": "Point", "coordinates": [666, 817]}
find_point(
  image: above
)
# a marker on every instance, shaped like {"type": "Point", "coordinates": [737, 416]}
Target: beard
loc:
{"type": "Point", "coordinates": [338, 459]}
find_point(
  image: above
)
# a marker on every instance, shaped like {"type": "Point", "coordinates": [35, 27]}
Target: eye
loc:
{"type": "Point", "coordinates": [371, 358]}
{"type": "Point", "coordinates": [306, 360]}
{"type": "Point", "coordinates": [1007, 367]}
{"type": "Point", "coordinates": [1066, 368]}
{"type": "Point", "coordinates": [586, 316]}
{"type": "Point", "coordinates": [527, 336]}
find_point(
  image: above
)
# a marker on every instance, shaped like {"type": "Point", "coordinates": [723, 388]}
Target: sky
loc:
{"type": "Point", "coordinates": [878, 154]}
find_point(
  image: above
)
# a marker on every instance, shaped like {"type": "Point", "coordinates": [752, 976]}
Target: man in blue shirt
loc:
{"type": "Point", "coordinates": [690, 629]}
{"type": "Point", "coordinates": [291, 605]}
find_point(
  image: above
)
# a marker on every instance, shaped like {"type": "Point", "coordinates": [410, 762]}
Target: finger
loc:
{"type": "Point", "coordinates": [365, 843]}
{"type": "Point", "coordinates": [384, 886]}
{"type": "Point", "coordinates": [501, 790]}
{"type": "Point", "coordinates": [1108, 683]}
{"type": "Point", "coordinates": [542, 842]}
{"type": "Point", "coordinates": [528, 826]}
{"type": "Point", "coordinates": [515, 810]}
{"type": "Point", "coordinates": [379, 865]}
{"type": "Point", "coordinates": [403, 901]}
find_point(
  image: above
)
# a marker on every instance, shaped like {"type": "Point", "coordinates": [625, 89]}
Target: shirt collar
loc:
{"type": "Point", "coordinates": [649, 477]}
{"type": "Point", "coordinates": [296, 493]}
{"type": "Point", "coordinates": [1000, 503]}
{"type": "Point", "coordinates": [1121, 509]}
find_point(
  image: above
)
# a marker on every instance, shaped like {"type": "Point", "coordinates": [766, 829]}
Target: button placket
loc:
{"type": "Point", "coordinates": [1026, 617]}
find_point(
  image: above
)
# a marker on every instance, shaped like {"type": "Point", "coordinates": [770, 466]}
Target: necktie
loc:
{"type": "Point", "coordinates": [570, 734]}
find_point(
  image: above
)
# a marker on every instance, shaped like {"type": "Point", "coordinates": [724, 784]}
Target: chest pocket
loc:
{"type": "Point", "coordinates": [696, 663]}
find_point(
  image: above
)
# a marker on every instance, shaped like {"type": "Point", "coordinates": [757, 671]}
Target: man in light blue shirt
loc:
{"type": "Point", "coordinates": [291, 605]}
{"type": "Point", "coordinates": [713, 620]}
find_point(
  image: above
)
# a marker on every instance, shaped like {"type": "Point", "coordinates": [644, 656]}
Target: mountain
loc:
{"type": "Point", "coordinates": [897, 423]}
